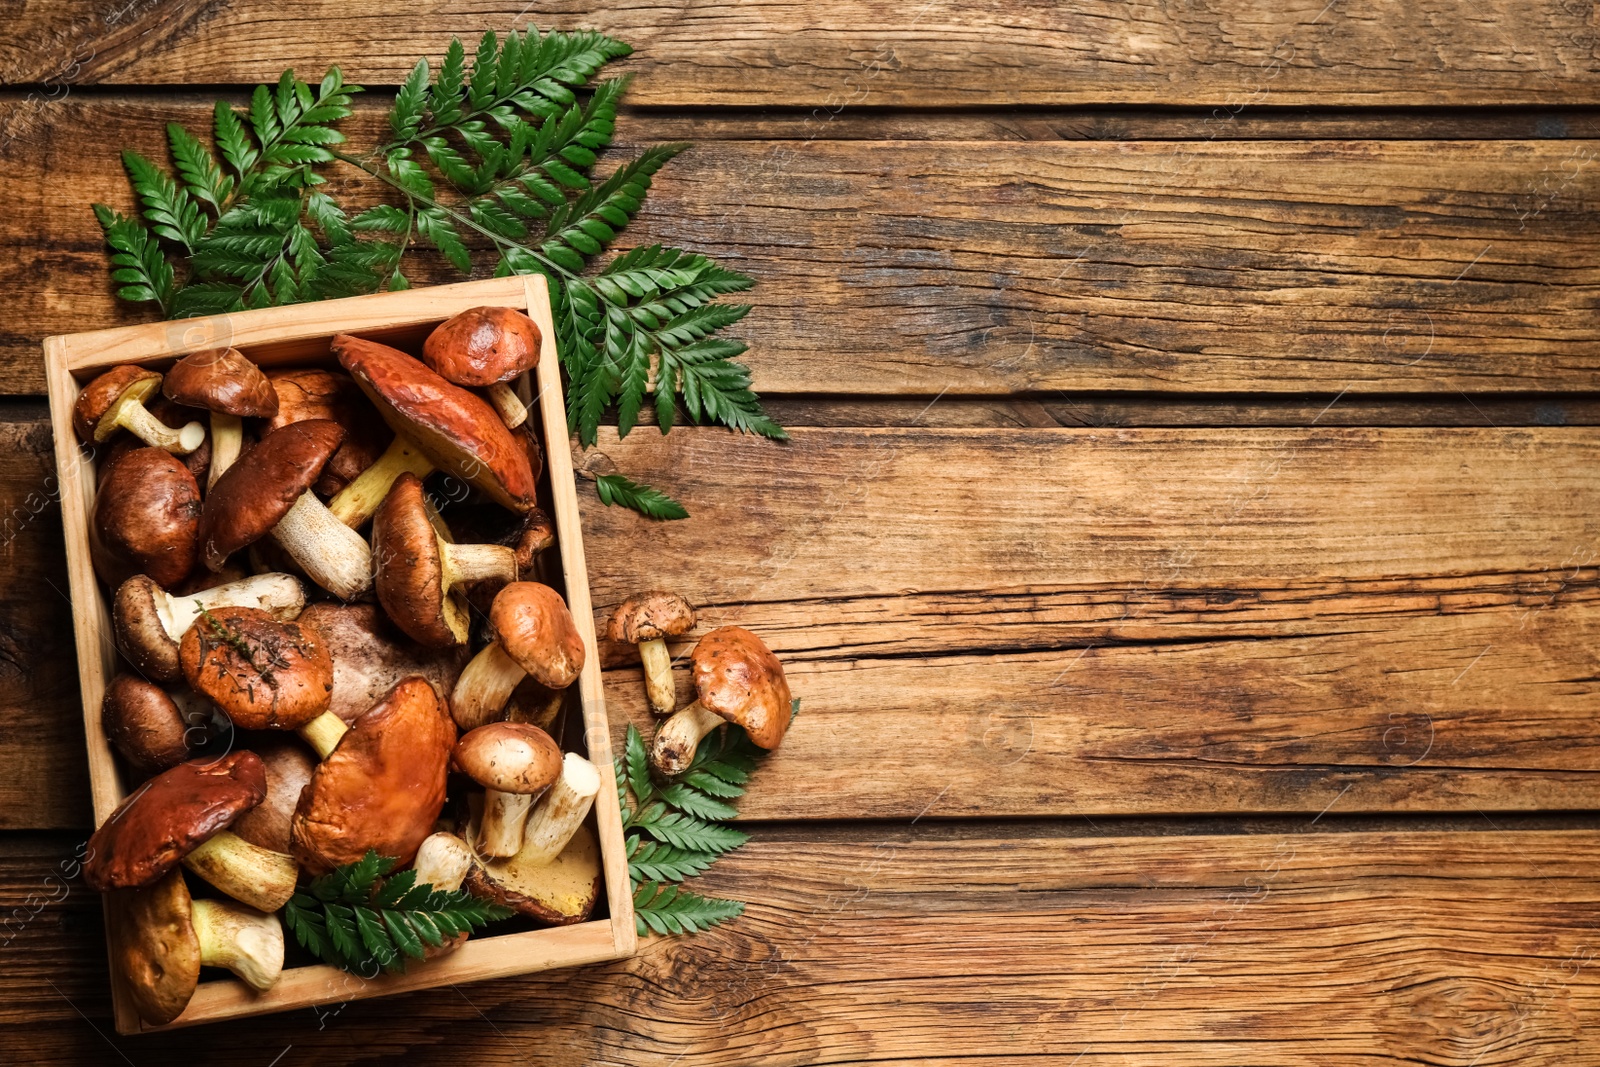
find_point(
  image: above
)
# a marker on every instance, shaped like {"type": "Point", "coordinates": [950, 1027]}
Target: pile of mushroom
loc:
{"type": "Point", "coordinates": [295, 614]}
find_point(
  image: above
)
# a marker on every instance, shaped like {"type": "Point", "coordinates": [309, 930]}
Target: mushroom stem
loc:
{"type": "Point", "coordinates": [242, 940]}
{"type": "Point", "coordinates": [248, 873]}
{"type": "Point", "coordinates": [484, 687]}
{"type": "Point", "coordinates": [476, 563]}
{"type": "Point", "coordinates": [510, 406]}
{"type": "Point", "coordinates": [332, 554]}
{"type": "Point", "coordinates": [354, 504]}
{"type": "Point", "coordinates": [275, 592]}
{"type": "Point", "coordinates": [443, 861]}
{"type": "Point", "coordinates": [658, 675]}
{"type": "Point", "coordinates": [561, 810]}
{"type": "Point", "coordinates": [227, 441]}
{"type": "Point", "coordinates": [680, 735]}
{"type": "Point", "coordinates": [324, 732]}
{"type": "Point", "coordinates": [131, 414]}
{"type": "Point", "coordinates": [504, 817]}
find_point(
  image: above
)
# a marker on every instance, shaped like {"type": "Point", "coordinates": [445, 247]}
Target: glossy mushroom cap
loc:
{"type": "Point", "coordinates": [147, 519]}
{"type": "Point", "coordinates": [410, 567]}
{"type": "Point", "coordinates": [254, 494]}
{"type": "Point", "coordinates": [650, 616]}
{"type": "Point", "coordinates": [169, 816]}
{"type": "Point", "coordinates": [100, 395]}
{"type": "Point", "coordinates": [289, 766]}
{"type": "Point", "coordinates": [482, 346]}
{"type": "Point", "coordinates": [221, 380]}
{"type": "Point", "coordinates": [155, 952]}
{"type": "Point", "coordinates": [320, 394]}
{"type": "Point", "coordinates": [264, 674]}
{"type": "Point", "coordinates": [383, 787]}
{"type": "Point", "coordinates": [144, 724]}
{"type": "Point", "coordinates": [532, 625]}
{"type": "Point", "coordinates": [457, 430]}
{"type": "Point", "coordinates": [739, 678]}
{"type": "Point", "coordinates": [370, 656]}
{"type": "Point", "coordinates": [509, 757]}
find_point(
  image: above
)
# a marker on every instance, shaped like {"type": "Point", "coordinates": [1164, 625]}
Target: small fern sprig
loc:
{"type": "Point", "coordinates": [364, 920]}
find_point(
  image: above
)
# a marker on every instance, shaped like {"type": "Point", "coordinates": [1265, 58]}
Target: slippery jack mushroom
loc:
{"type": "Point", "coordinates": [161, 937]}
{"type": "Point", "coordinates": [486, 347]}
{"type": "Point", "coordinates": [738, 680]}
{"type": "Point", "coordinates": [115, 400]}
{"type": "Point", "coordinates": [149, 622]}
{"type": "Point", "coordinates": [647, 620]}
{"type": "Point", "coordinates": [561, 810]}
{"type": "Point", "coordinates": [514, 762]}
{"type": "Point", "coordinates": [148, 726]}
{"type": "Point", "coordinates": [269, 491]}
{"type": "Point", "coordinates": [535, 634]}
{"type": "Point", "coordinates": [183, 815]}
{"type": "Point", "coordinates": [147, 513]}
{"type": "Point", "coordinates": [223, 382]}
{"type": "Point", "coordinates": [419, 567]}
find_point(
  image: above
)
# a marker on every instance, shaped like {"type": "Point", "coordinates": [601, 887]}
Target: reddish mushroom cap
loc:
{"type": "Point", "coordinates": [147, 519]}
{"type": "Point", "coordinates": [144, 724]}
{"type": "Point", "coordinates": [257, 491]}
{"type": "Point", "coordinates": [221, 380]}
{"type": "Point", "coordinates": [482, 346]}
{"type": "Point", "coordinates": [739, 678]}
{"type": "Point", "coordinates": [264, 674]}
{"type": "Point", "coordinates": [98, 396]}
{"type": "Point", "coordinates": [649, 616]}
{"type": "Point", "coordinates": [533, 626]}
{"type": "Point", "coordinates": [321, 394]}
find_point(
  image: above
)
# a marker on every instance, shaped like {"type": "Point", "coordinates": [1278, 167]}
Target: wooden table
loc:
{"type": "Point", "coordinates": [1186, 553]}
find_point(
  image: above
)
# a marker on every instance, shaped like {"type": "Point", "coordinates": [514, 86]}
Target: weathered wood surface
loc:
{"type": "Point", "coordinates": [1029, 267]}
{"type": "Point", "coordinates": [1004, 52]}
{"type": "Point", "coordinates": [946, 944]}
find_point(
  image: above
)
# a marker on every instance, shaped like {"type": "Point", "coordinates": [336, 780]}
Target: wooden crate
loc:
{"type": "Point", "coordinates": [299, 335]}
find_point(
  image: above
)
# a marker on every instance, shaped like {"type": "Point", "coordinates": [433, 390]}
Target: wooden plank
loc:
{"type": "Point", "coordinates": [940, 53]}
{"type": "Point", "coordinates": [1032, 267]}
{"type": "Point", "coordinates": [946, 944]}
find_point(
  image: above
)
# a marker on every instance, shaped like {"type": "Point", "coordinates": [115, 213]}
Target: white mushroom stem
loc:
{"type": "Point", "coordinates": [680, 735]}
{"type": "Point", "coordinates": [242, 940]}
{"type": "Point", "coordinates": [561, 810]}
{"type": "Point", "coordinates": [484, 687]}
{"type": "Point", "coordinates": [332, 554]}
{"type": "Point", "coordinates": [252, 875]}
{"type": "Point", "coordinates": [279, 593]}
{"type": "Point", "coordinates": [510, 406]}
{"type": "Point", "coordinates": [461, 564]}
{"type": "Point", "coordinates": [658, 675]}
{"type": "Point", "coordinates": [443, 860]}
{"type": "Point", "coordinates": [355, 503]}
{"type": "Point", "coordinates": [130, 413]}
{"type": "Point", "coordinates": [504, 817]}
{"type": "Point", "coordinates": [323, 733]}
{"type": "Point", "coordinates": [227, 441]}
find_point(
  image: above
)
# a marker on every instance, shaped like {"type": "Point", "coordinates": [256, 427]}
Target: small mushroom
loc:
{"type": "Point", "coordinates": [263, 674]}
{"type": "Point", "coordinates": [559, 892]}
{"type": "Point", "coordinates": [370, 656]}
{"type": "Point", "coordinates": [320, 394]}
{"type": "Point", "coordinates": [647, 620]}
{"type": "Point", "coordinates": [223, 382]}
{"type": "Point", "coordinates": [161, 937]}
{"type": "Point", "coordinates": [183, 815]}
{"type": "Point", "coordinates": [268, 491]}
{"type": "Point", "coordinates": [738, 680]}
{"type": "Point", "coordinates": [419, 567]}
{"type": "Point", "coordinates": [149, 622]}
{"type": "Point", "coordinates": [443, 860]}
{"type": "Point", "coordinates": [289, 768]}
{"type": "Point", "coordinates": [115, 400]}
{"type": "Point", "coordinates": [383, 787]}
{"type": "Point", "coordinates": [146, 725]}
{"type": "Point", "coordinates": [147, 517]}
{"type": "Point", "coordinates": [486, 347]}
{"type": "Point", "coordinates": [514, 762]}
{"type": "Point", "coordinates": [560, 811]}
{"type": "Point", "coordinates": [535, 634]}
{"type": "Point", "coordinates": [454, 428]}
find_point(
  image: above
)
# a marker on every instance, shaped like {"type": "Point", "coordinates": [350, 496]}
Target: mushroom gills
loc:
{"type": "Point", "coordinates": [332, 554]}
{"type": "Point", "coordinates": [242, 940]}
{"type": "Point", "coordinates": [355, 503]}
{"type": "Point", "coordinates": [680, 736]}
{"type": "Point", "coordinates": [256, 876]}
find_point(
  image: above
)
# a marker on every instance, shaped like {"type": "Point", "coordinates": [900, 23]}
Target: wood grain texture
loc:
{"type": "Point", "coordinates": [1004, 52]}
{"type": "Point", "coordinates": [946, 944]}
{"type": "Point", "coordinates": [1027, 267]}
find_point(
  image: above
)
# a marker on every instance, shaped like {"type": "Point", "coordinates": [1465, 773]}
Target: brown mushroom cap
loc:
{"type": "Point", "coordinates": [559, 892]}
{"type": "Point", "coordinates": [264, 674]}
{"type": "Point", "coordinates": [649, 616]}
{"type": "Point", "coordinates": [509, 757]}
{"type": "Point", "coordinates": [457, 430]}
{"type": "Point", "coordinates": [321, 394]}
{"type": "Point", "coordinates": [410, 568]}
{"type": "Point", "coordinates": [739, 678]}
{"type": "Point", "coordinates": [144, 724]}
{"type": "Point", "coordinates": [289, 766]}
{"type": "Point", "coordinates": [256, 492]}
{"type": "Point", "coordinates": [221, 380]}
{"type": "Point", "coordinates": [383, 787]}
{"type": "Point", "coordinates": [154, 948]}
{"type": "Point", "coordinates": [370, 656]}
{"type": "Point", "coordinates": [170, 816]}
{"type": "Point", "coordinates": [99, 395]}
{"type": "Point", "coordinates": [482, 346]}
{"type": "Point", "coordinates": [147, 519]}
{"type": "Point", "coordinates": [533, 626]}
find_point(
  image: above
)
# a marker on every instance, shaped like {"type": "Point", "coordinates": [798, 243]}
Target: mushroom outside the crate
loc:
{"type": "Point", "coordinates": [738, 680]}
{"type": "Point", "coordinates": [149, 622]}
{"type": "Point", "coordinates": [535, 634]}
{"type": "Point", "coordinates": [147, 519]}
{"type": "Point", "coordinates": [647, 620]}
{"type": "Point", "coordinates": [231, 388]}
{"type": "Point", "coordinates": [484, 348]}
{"type": "Point", "coordinates": [115, 401]}
{"type": "Point", "coordinates": [514, 762]}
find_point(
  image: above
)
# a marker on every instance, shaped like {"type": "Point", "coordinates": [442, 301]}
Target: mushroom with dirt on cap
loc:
{"type": "Point", "coordinates": [149, 622]}
{"type": "Point", "coordinates": [485, 347]}
{"type": "Point", "coordinates": [223, 382]}
{"type": "Point", "coordinates": [419, 567]}
{"type": "Point", "coordinates": [161, 937]}
{"type": "Point", "coordinates": [738, 680]}
{"type": "Point", "coordinates": [182, 816]}
{"type": "Point", "coordinates": [647, 620]}
{"type": "Point", "coordinates": [535, 634]}
{"type": "Point", "coordinates": [514, 762]}
{"type": "Point", "coordinates": [115, 400]}
{"type": "Point", "coordinates": [150, 728]}
{"type": "Point", "coordinates": [269, 491]}
{"type": "Point", "coordinates": [147, 518]}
